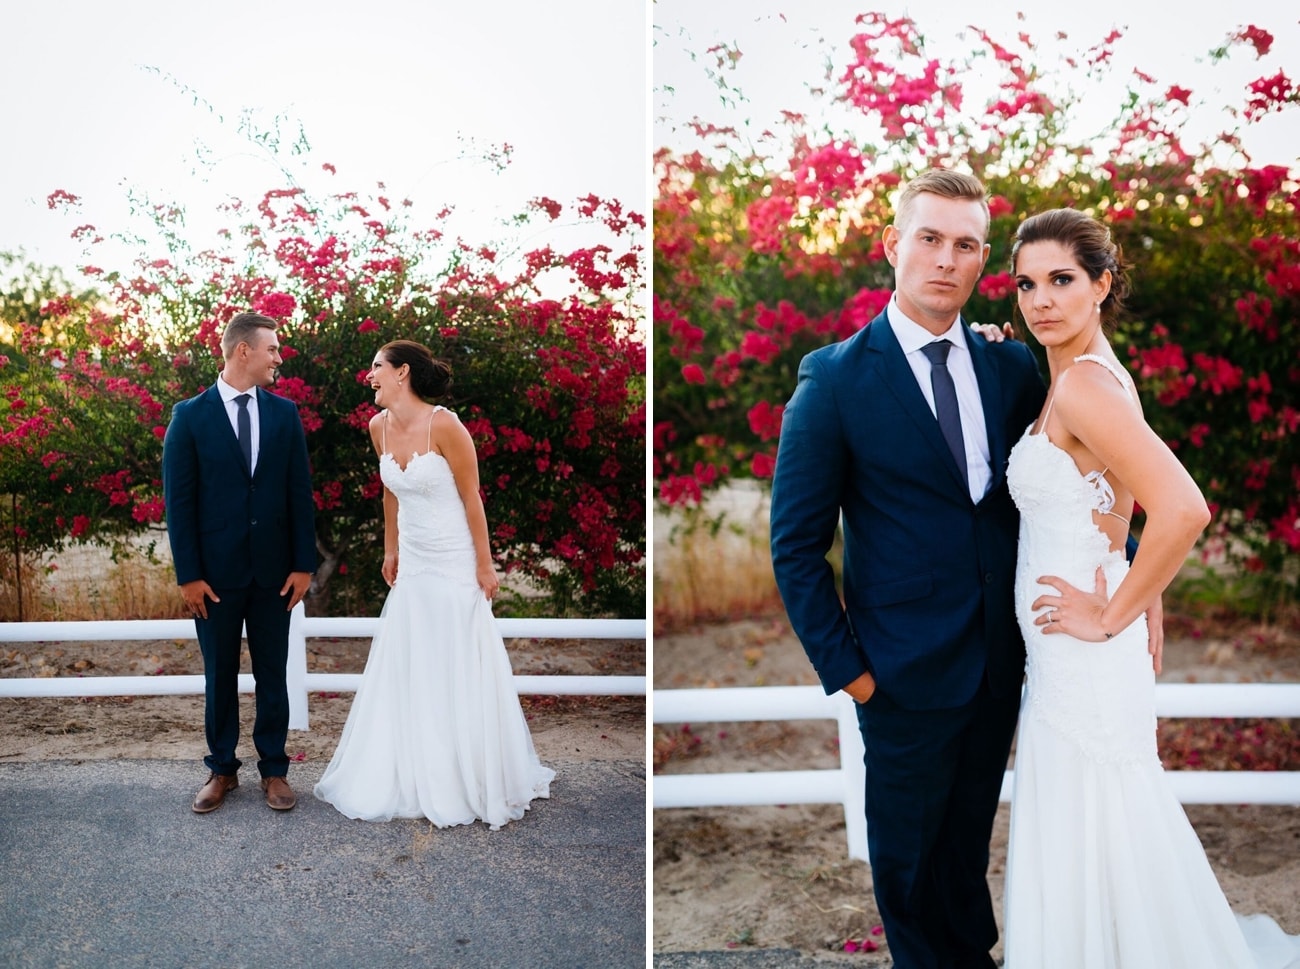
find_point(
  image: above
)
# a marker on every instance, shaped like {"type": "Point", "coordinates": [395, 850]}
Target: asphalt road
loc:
{"type": "Point", "coordinates": [103, 864]}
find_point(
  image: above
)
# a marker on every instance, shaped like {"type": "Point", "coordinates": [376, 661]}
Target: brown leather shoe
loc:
{"type": "Point", "coordinates": [214, 792]}
{"type": "Point", "coordinates": [279, 795]}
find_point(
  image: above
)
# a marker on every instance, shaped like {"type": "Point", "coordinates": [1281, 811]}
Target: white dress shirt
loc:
{"type": "Point", "coordinates": [912, 337]}
{"type": "Point", "coordinates": [228, 395]}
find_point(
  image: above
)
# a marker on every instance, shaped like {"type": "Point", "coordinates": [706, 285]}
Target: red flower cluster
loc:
{"type": "Point", "coordinates": [553, 391]}
{"type": "Point", "coordinates": [276, 305]}
{"type": "Point", "coordinates": [999, 287]}
{"type": "Point", "coordinates": [1268, 94]}
{"type": "Point", "coordinates": [1260, 39]}
{"type": "Point", "coordinates": [764, 251]}
{"type": "Point", "coordinates": [829, 174]}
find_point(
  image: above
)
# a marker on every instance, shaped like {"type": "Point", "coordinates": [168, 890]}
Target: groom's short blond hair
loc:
{"type": "Point", "coordinates": [949, 185]}
{"type": "Point", "coordinates": [241, 329]}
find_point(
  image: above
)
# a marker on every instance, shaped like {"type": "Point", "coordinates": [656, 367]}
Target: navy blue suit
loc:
{"type": "Point", "coordinates": [927, 608]}
{"type": "Point", "coordinates": [243, 534]}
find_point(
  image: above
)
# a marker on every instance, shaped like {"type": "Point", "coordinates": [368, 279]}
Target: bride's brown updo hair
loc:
{"type": "Point", "coordinates": [430, 377]}
{"type": "Point", "coordinates": [1092, 246]}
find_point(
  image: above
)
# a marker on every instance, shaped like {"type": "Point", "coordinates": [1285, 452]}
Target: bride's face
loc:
{"type": "Point", "coordinates": [1057, 299]}
{"type": "Point", "coordinates": [385, 380]}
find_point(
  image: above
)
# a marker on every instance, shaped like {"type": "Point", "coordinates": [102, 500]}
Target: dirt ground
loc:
{"type": "Point", "coordinates": [780, 877]}
{"type": "Point", "coordinates": [171, 727]}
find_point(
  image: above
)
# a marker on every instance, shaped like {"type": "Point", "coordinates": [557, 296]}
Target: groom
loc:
{"type": "Point", "coordinates": [902, 433]}
{"type": "Point", "coordinates": [240, 518]}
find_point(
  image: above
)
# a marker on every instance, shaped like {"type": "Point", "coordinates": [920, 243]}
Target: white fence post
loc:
{"type": "Point", "coordinates": [854, 770]}
{"type": "Point", "coordinates": [296, 673]}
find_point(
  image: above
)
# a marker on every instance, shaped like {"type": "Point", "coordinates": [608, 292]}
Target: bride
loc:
{"type": "Point", "coordinates": [436, 729]}
{"type": "Point", "coordinates": [1104, 871]}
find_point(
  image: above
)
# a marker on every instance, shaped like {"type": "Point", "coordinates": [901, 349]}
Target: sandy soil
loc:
{"type": "Point", "coordinates": [171, 727]}
{"type": "Point", "coordinates": [779, 877]}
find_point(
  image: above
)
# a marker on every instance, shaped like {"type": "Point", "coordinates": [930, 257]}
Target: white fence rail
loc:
{"type": "Point", "coordinates": [845, 785]}
{"type": "Point", "coordinates": [300, 681]}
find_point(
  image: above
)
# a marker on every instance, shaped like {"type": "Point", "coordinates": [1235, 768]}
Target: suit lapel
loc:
{"type": "Point", "coordinates": [896, 373]}
{"type": "Point", "coordinates": [986, 375]}
{"type": "Point", "coordinates": [224, 431]}
{"type": "Point", "coordinates": [265, 427]}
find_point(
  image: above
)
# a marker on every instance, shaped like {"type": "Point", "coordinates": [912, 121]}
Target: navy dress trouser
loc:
{"type": "Point", "coordinates": [264, 612]}
{"type": "Point", "coordinates": [933, 780]}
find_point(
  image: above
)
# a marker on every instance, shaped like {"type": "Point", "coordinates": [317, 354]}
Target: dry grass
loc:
{"type": "Point", "coordinates": [702, 574]}
{"type": "Point", "coordinates": [86, 582]}
{"type": "Point", "coordinates": [676, 742]}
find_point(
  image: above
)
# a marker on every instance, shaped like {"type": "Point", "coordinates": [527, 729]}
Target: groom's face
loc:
{"type": "Point", "coordinates": [938, 252]}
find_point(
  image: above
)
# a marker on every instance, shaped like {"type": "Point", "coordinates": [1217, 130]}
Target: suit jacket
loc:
{"type": "Point", "coordinates": [928, 574]}
{"type": "Point", "coordinates": [228, 527]}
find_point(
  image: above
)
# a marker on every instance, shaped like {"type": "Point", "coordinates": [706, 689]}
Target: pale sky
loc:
{"type": "Point", "coordinates": [785, 45]}
{"type": "Point", "coordinates": [385, 89]}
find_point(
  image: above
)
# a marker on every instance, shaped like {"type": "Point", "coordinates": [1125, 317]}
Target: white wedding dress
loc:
{"type": "Point", "coordinates": [435, 729]}
{"type": "Point", "coordinates": [1104, 871]}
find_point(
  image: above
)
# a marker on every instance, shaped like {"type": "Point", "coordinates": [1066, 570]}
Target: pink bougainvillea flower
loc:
{"type": "Point", "coordinates": [61, 197]}
{"type": "Point", "coordinates": [551, 207]}
{"type": "Point", "coordinates": [759, 346]}
{"type": "Point", "coordinates": [765, 420]}
{"type": "Point", "coordinates": [860, 945]}
{"type": "Point", "coordinates": [1221, 375]}
{"type": "Point", "coordinates": [276, 305]}
{"type": "Point", "coordinates": [1260, 39]}
{"type": "Point", "coordinates": [1001, 286]}
{"type": "Point", "coordinates": [769, 221]}
{"type": "Point", "coordinates": [829, 173]}
{"type": "Point", "coordinates": [693, 373]}
{"type": "Point", "coordinates": [1269, 94]}
{"type": "Point", "coordinates": [1000, 206]}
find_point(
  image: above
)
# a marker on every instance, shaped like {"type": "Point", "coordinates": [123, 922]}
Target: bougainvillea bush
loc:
{"type": "Point", "coordinates": [551, 387]}
{"type": "Point", "coordinates": [766, 248]}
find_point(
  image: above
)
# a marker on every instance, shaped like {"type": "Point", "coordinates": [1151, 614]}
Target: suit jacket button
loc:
{"type": "Point", "coordinates": [988, 578]}
{"type": "Point", "coordinates": [253, 522]}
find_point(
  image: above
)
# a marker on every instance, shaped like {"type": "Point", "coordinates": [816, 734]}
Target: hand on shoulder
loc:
{"type": "Point", "coordinates": [994, 333]}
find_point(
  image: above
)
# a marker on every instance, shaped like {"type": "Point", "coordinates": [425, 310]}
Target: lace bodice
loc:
{"type": "Point", "coordinates": [432, 531]}
{"type": "Point", "coordinates": [1103, 493]}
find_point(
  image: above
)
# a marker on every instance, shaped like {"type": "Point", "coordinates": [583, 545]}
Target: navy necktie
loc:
{"type": "Point", "coordinates": [945, 400]}
{"type": "Point", "coordinates": [245, 425]}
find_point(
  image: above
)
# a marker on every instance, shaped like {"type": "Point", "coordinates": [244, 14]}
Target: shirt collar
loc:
{"type": "Point", "coordinates": [229, 393]}
{"type": "Point", "coordinates": [912, 336]}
